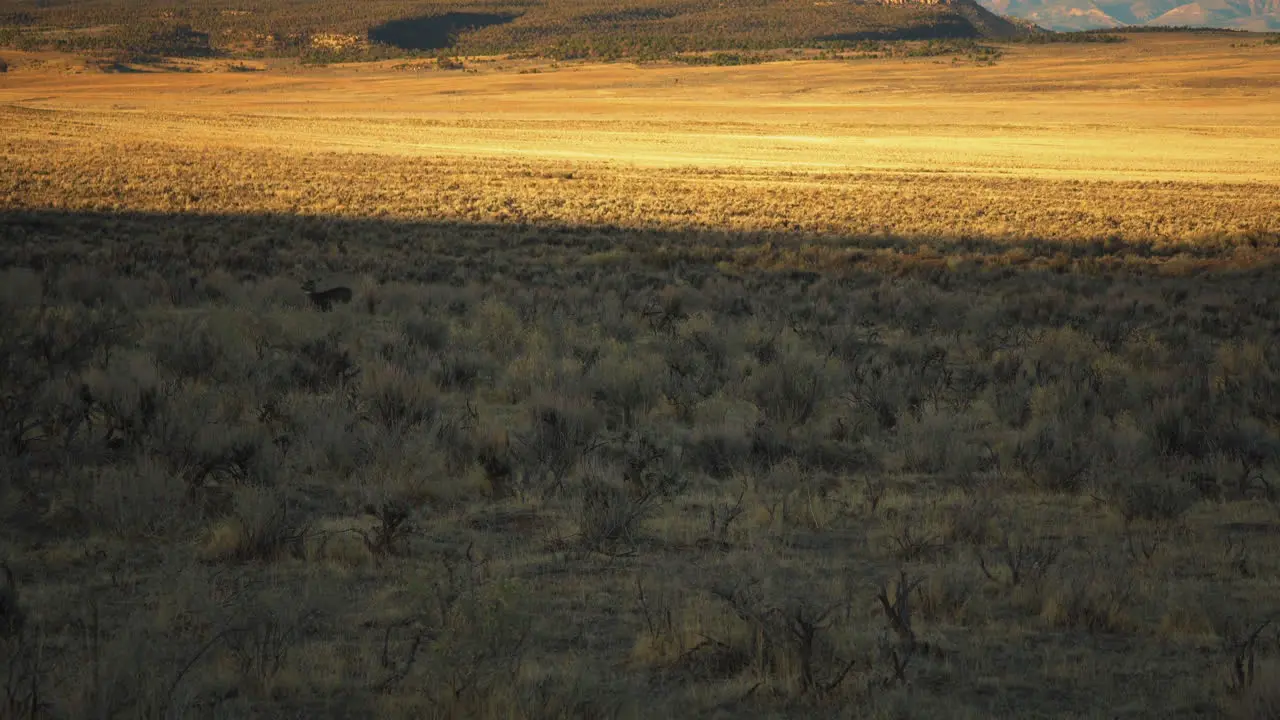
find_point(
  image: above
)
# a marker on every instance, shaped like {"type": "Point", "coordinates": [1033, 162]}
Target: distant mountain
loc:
{"type": "Point", "coordinates": [1257, 15]}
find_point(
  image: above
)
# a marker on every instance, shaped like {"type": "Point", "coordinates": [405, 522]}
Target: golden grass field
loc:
{"type": "Point", "coordinates": [1153, 109]}
{"type": "Point", "coordinates": [862, 388]}
{"type": "Point", "coordinates": [1156, 139]}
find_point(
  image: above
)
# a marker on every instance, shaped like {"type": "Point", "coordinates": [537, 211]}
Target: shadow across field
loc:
{"type": "Point", "coordinates": [433, 32]}
{"type": "Point", "coordinates": [1218, 291]}
{"type": "Point", "coordinates": [435, 251]}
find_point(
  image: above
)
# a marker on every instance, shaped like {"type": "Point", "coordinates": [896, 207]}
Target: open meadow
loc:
{"type": "Point", "coordinates": [862, 386]}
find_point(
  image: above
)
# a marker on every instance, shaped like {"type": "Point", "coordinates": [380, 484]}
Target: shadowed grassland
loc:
{"type": "Point", "coordinates": [536, 470]}
{"type": "Point", "coordinates": [719, 416]}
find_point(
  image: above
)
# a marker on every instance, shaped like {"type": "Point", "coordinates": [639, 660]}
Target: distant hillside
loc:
{"type": "Point", "coordinates": [564, 28]}
{"type": "Point", "coordinates": [1257, 15]}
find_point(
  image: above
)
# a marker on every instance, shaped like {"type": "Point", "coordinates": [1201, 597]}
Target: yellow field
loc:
{"type": "Point", "coordinates": [1150, 109]}
{"type": "Point", "coordinates": [1166, 140]}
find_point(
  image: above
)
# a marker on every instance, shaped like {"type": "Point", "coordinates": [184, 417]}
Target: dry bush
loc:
{"type": "Point", "coordinates": [198, 345]}
{"type": "Point", "coordinates": [44, 348]}
{"type": "Point", "coordinates": [621, 382]}
{"type": "Point", "coordinates": [720, 438]}
{"type": "Point", "coordinates": [952, 596]}
{"type": "Point", "coordinates": [145, 499]}
{"type": "Point", "coordinates": [790, 389]}
{"type": "Point", "coordinates": [1020, 556]}
{"type": "Point", "coordinates": [615, 499]}
{"type": "Point", "coordinates": [398, 400]}
{"type": "Point", "coordinates": [971, 520]}
{"type": "Point", "coordinates": [795, 646]}
{"type": "Point", "coordinates": [262, 527]}
{"type": "Point", "coordinates": [462, 645]}
{"type": "Point", "coordinates": [608, 515]}
{"type": "Point", "coordinates": [560, 435]}
{"type": "Point", "coordinates": [1100, 600]}
{"type": "Point", "coordinates": [538, 368]}
{"type": "Point", "coordinates": [262, 639]}
{"type": "Point", "coordinates": [1151, 499]}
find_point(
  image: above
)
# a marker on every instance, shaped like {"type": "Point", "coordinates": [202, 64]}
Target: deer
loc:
{"type": "Point", "coordinates": [324, 300]}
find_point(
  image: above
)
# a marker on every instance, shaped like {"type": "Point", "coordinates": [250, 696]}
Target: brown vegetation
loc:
{"type": "Point", "coordinates": [674, 438]}
{"type": "Point", "coordinates": [328, 31]}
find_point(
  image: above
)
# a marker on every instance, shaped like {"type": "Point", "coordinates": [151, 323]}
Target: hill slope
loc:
{"type": "Point", "coordinates": [572, 28]}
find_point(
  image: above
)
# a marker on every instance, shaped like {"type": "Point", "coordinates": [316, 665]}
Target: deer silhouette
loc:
{"type": "Point", "coordinates": [324, 300]}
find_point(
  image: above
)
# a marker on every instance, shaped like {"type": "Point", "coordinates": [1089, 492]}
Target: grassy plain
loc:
{"type": "Point", "coordinates": [868, 388]}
